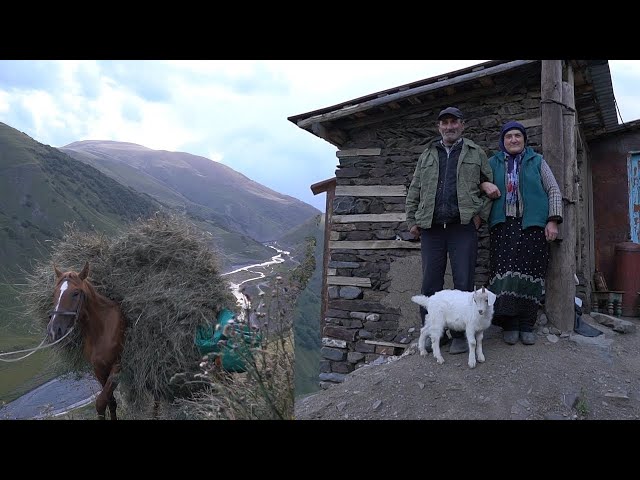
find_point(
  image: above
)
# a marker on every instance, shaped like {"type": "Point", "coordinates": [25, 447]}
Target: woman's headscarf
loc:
{"type": "Point", "coordinates": [511, 126]}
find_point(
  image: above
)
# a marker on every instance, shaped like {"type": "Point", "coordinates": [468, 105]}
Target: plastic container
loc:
{"type": "Point", "coordinates": [627, 276]}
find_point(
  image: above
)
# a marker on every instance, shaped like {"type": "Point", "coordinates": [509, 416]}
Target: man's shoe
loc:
{"type": "Point", "coordinates": [458, 345]}
{"type": "Point", "coordinates": [444, 339]}
{"type": "Point", "coordinates": [510, 336]}
{"type": "Point", "coordinates": [528, 338]}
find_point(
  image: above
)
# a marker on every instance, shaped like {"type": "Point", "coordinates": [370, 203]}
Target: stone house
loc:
{"type": "Point", "coordinates": [370, 268]}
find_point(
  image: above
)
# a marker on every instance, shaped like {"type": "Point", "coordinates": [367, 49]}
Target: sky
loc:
{"type": "Point", "coordinates": [230, 111]}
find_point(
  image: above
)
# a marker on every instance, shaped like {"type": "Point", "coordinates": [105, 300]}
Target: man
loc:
{"type": "Point", "coordinates": [445, 209]}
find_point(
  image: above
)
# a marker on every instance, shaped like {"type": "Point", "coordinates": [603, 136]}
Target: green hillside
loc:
{"type": "Point", "coordinates": [42, 188]}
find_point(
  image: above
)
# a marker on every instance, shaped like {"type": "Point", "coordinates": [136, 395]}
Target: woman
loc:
{"type": "Point", "coordinates": [525, 214]}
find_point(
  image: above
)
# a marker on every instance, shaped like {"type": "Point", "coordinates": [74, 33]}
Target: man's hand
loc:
{"type": "Point", "coordinates": [551, 230]}
{"type": "Point", "coordinates": [490, 190]}
{"type": "Point", "coordinates": [415, 230]}
{"type": "Point", "coordinates": [477, 221]}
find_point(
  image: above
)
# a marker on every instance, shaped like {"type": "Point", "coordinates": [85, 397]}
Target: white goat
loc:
{"type": "Point", "coordinates": [457, 310]}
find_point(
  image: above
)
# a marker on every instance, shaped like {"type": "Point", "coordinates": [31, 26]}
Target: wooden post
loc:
{"type": "Point", "coordinates": [328, 186]}
{"type": "Point", "coordinates": [560, 285]}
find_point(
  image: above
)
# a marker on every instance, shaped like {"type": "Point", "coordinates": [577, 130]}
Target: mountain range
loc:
{"type": "Point", "coordinates": [102, 185]}
{"type": "Point", "coordinates": [204, 188]}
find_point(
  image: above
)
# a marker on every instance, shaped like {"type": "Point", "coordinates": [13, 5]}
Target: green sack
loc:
{"type": "Point", "coordinates": [236, 344]}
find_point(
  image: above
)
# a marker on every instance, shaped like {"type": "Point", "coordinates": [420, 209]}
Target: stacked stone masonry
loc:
{"type": "Point", "coordinates": [359, 327]}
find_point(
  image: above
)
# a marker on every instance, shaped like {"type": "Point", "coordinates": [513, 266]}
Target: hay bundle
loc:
{"type": "Point", "coordinates": [165, 276]}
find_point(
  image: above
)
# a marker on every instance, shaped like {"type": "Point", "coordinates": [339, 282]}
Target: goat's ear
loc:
{"type": "Point", "coordinates": [492, 298]}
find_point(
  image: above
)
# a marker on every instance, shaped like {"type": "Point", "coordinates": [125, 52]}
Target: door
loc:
{"type": "Point", "coordinates": [633, 171]}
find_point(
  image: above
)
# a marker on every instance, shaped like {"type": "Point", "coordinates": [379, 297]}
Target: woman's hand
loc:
{"type": "Point", "coordinates": [490, 190]}
{"type": "Point", "coordinates": [415, 230]}
{"type": "Point", "coordinates": [551, 230]}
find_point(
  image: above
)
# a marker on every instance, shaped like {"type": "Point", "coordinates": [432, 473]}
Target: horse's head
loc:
{"type": "Point", "coordinates": [68, 297]}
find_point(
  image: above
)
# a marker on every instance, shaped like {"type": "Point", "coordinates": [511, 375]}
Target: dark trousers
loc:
{"type": "Point", "coordinates": [460, 242]}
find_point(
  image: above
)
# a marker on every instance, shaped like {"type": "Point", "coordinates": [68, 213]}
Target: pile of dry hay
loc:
{"type": "Point", "coordinates": [165, 275]}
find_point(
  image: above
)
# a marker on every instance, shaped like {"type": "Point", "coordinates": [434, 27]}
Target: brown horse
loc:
{"type": "Point", "coordinates": [102, 327]}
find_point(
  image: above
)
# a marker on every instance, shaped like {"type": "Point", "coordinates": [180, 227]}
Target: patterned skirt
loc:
{"type": "Point", "coordinates": [518, 261]}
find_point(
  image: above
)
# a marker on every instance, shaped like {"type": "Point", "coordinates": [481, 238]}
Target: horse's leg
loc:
{"type": "Point", "coordinates": [106, 395]}
{"type": "Point", "coordinates": [112, 383]}
{"type": "Point", "coordinates": [112, 407]}
{"type": "Point", "coordinates": [101, 401]}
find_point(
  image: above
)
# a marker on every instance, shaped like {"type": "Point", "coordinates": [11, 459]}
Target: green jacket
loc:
{"type": "Point", "coordinates": [473, 169]}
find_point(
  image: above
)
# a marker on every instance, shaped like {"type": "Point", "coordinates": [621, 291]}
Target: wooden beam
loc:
{"type": "Point", "coordinates": [551, 109]}
{"type": "Point", "coordinates": [394, 97]}
{"type": "Point", "coordinates": [371, 244]}
{"type": "Point", "coordinates": [560, 285]}
{"type": "Point", "coordinates": [349, 281]}
{"type": "Point", "coordinates": [358, 152]}
{"type": "Point", "coordinates": [371, 191]}
{"type": "Point", "coordinates": [370, 217]}
{"type": "Point", "coordinates": [323, 186]}
{"type": "Point", "coordinates": [387, 344]}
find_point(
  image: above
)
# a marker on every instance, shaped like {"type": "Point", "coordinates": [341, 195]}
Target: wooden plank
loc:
{"type": "Point", "coordinates": [387, 344]}
{"type": "Point", "coordinates": [371, 190]}
{"type": "Point", "coordinates": [351, 109]}
{"type": "Point", "coordinates": [358, 152]}
{"type": "Point", "coordinates": [372, 244]}
{"type": "Point", "coordinates": [331, 271]}
{"type": "Point", "coordinates": [370, 217]}
{"type": "Point", "coordinates": [350, 281]}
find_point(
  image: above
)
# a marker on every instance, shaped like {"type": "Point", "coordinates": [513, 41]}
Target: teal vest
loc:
{"type": "Point", "coordinates": [535, 202]}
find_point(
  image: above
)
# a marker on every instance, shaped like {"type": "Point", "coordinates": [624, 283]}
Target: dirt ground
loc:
{"type": "Point", "coordinates": [564, 377]}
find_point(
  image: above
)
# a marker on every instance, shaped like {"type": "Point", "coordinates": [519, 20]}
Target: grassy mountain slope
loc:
{"type": "Point", "coordinates": [42, 188]}
{"type": "Point", "coordinates": [210, 189]}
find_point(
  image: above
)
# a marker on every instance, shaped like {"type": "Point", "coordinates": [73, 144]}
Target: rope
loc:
{"type": "Point", "coordinates": [549, 100]}
{"type": "Point", "coordinates": [32, 350]}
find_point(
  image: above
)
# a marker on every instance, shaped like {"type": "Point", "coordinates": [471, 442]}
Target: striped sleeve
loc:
{"type": "Point", "coordinates": [553, 192]}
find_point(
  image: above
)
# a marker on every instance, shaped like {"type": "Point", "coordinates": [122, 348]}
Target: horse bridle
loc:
{"type": "Point", "coordinates": [75, 313]}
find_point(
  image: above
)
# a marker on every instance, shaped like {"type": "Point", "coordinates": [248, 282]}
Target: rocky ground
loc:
{"type": "Point", "coordinates": [561, 377]}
